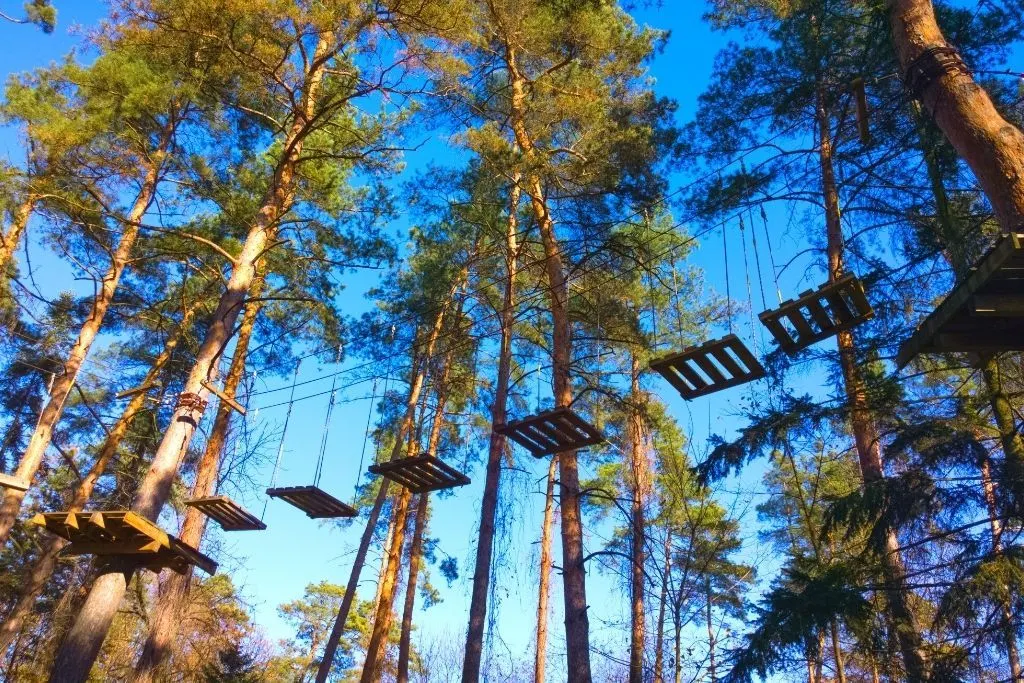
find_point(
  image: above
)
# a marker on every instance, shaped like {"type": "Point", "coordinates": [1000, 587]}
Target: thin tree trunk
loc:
{"type": "Point", "coordinates": [173, 595]}
{"type": "Point", "coordinates": [638, 484]}
{"type": "Point", "coordinates": [415, 556]}
{"type": "Point", "coordinates": [869, 450]}
{"type": "Point", "coordinates": [711, 631]}
{"type": "Point", "coordinates": [62, 385]}
{"type": "Point", "coordinates": [376, 649]}
{"type": "Point", "coordinates": [412, 399]}
{"type": "Point", "coordinates": [496, 449]}
{"type": "Point", "coordinates": [19, 221]}
{"type": "Point", "coordinates": [574, 585]}
{"type": "Point", "coordinates": [79, 649]}
{"type": "Point", "coordinates": [678, 663]}
{"type": "Point", "coordinates": [837, 653]}
{"type": "Point", "coordinates": [991, 145]}
{"type": "Point", "coordinates": [659, 642]}
{"type": "Point", "coordinates": [544, 580]}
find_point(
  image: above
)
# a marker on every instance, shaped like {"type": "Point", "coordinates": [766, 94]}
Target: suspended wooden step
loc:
{"type": "Point", "coordinates": [983, 314]}
{"type": "Point", "coordinates": [421, 473]}
{"type": "Point", "coordinates": [9, 481]}
{"type": "Point", "coordinates": [700, 370]}
{"type": "Point", "coordinates": [816, 315]}
{"type": "Point", "coordinates": [141, 389]}
{"type": "Point", "coordinates": [230, 515]}
{"type": "Point", "coordinates": [317, 504]}
{"type": "Point", "coordinates": [552, 431]}
{"type": "Point", "coordinates": [123, 533]}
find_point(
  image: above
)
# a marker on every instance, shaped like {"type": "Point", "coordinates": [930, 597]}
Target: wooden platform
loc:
{"type": "Point", "coordinates": [984, 314]}
{"type": "Point", "coordinates": [818, 314]}
{"type": "Point", "coordinates": [9, 481]}
{"type": "Point", "coordinates": [230, 515]}
{"type": "Point", "coordinates": [315, 503]}
{"type": "Point", "coordinates": [552, 431]}
{"type": "Point", "coordinates": [421, 473]}
{"type": "Point", "coordinates": [700, 370]}
{"type": "Point", "coordinates": [120, 533]}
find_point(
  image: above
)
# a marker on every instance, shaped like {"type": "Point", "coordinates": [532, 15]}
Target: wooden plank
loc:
{"type": "Point", "coordinates": [141, 389]}
{"type": "Point", "coordinates": [820, 315]}
{"type": "Point", "coordinates": [9, 481]}
{"type": "Point", "coordinates": [777, 330]}
{"type": "Point", "coordinates": [722, 356]}
{"type": "Point", "coordinates": [998, 305]}
{"type": "Point", "coordinates": [803, 329]}
{"type": "Point", "coordinates": [230, 515]}
{"type": "Point", "coordinates": [232, 403]}
{"type": "Point", "coordinates": [709, 368]}
{"type": "Point", "coordinates": [690, 375]}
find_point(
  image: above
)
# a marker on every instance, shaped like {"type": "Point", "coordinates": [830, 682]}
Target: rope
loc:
{"type": "Point", "coordinates": [746, 272]}
{"type": "Point", "coordinates": [728, 292]}
{"type": "Point", "coordinates": [771, 254]}
{"type": "Point", "coordinates": [319, 470]}
{"type": "Point", "coordinates": [366, 434]}
{"type": "Point", "coordinates": [284, 431]}
{"type": "Point", "coordinates": [757, 259]}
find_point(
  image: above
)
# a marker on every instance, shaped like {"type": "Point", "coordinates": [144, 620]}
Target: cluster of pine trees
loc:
{"type": "Point", "coordinates": [217, 171]}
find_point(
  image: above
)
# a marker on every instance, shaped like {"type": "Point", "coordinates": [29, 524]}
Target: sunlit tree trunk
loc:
{"type": "Point", "coordinates": [43, 567]}
{"type": "Point", "coordinates": [415, 557]}
{"type": "Point", "coordinates": [173, 594]}
{"type": "Point", "coordinates": [83, 642]}
{"type": "Point", "coordinates": [32, 459]}
{"type": "Point", "coordinates": [11, 238]}
{"type": "Point", "coordinates": [869, 448]}
{"type": "Point", "coordinates": [659, 643]}
{"type": "Point", "coordinates": [495, 452]}
{"type": "Point", "coordinates": [544, 577]}
{"type": "Point", "coordinates": [638, 484]}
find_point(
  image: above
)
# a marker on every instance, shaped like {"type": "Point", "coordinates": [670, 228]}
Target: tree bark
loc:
{"type": "Point", "coordinates": [81, 645]}
{"type": "Point", "coordinates": [991, 145]}
{"type": "Point", "coordinates": [43, 567]}
{"type": "Point", "coordinates": [544, 578]}
{"type": "Point", "coordinates": [376, 649]}
{"type": "Point", "coordinates": [659, 641]}
{"type": "Point", "coordinates": [495, 452]}
{"type": "Point", "coordinates": [574, 586]}
{"type": "Point", "coordinates": [173, 595]}
{"type": "Point", "coordinates": [10, 240]}
{"type": "Point", "coordinates": [415, 557]}
{"type": "Point", "coordinates": [869, 449]}
{"type": "Point", "coordinates": [837, 653]}
{"type": "Point", "coordinates": [638, 486]}
{"type": "Point", "coordinates": [711, 631]}
{"type": "Point", "coordinates": [62, 385]}
{"type": "Point", "coordinates": [404, 428]}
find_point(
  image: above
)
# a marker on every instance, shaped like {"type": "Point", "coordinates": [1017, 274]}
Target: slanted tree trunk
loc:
{"type": "Point", "coordinates": [991, 145]}
{"type": "Point", "coordinates": [81, 645]}
{"type": "Point", "coordinates": [544, 578]}
{"type": "Point", "coordinates": [659, 641]}
{"type": "Point", "coordinates": [10, 239]}
{"type": "Point", "coordinates": [43, 567]}
{"type": "Point", "coordinates": [62, 385]}
{"type": "Point", "coordinates": [574, 584]}
{"type": "Point", "coordinates": [869, 447]}
{"type": "Point", "coordinates": [173, 594]}
{"type": "Point", "coordinates": [415, 557]}
{"type": "Point", "coordinates": [638, 485]}
{"type": "Point", "coordinates": [377, 646]}
{"type": "Point", "coordinates": [495, 452]}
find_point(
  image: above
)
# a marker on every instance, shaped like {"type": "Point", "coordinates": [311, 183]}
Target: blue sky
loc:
{"type": "Point", "coordinates": [272, 567]}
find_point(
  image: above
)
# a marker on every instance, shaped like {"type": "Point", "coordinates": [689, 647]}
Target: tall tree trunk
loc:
{"type": "Point", "coordinates": [677, 665]}
{"type": "Point", "coordinates": [544, 578]}
{"type": "Point", "coordinates": [837, 653]}
{"type": "Point", "coordinates": [81, 645]}
{"type": "Point", "coordinates": [638, 485]}
{"type": "Point", "coordinates": [659, 641]}
{"type": "Point", "coordinates": [404, 428]}
{"type": "Point", "coordinates": [869, 448]}
{"type": "Point", "coordinates": [43, 567]}
{"type": "Point", "coordinates": [495, 452]}
{"type": "Point", "coordinates": [991, 145]}
{"type": "Point", "coordinates": [173, 594]}
{"type": "Point", "coordinates": [376, 649]}
{"type": "Point", "coordinates": [415, 556]}
{"type": "Point", "coordinates": [12, 237]}
{"type": "Point", "coordinates": [711, 630]}
{"type": "Point", "coordinates": [574, 585]}
{"type": "Point", "coordinates": [62, 385]}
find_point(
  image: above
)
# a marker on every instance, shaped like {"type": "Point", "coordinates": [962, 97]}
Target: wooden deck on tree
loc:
{"type": "Point", "coordinates": [317, 504]}
{"type": "Point", "coordinates": [819, 314]}
{"type": "Point", "coordinates": [700, 370]}
{"type": "Point", "coordinates": [230, 515]}
{"type": "Point", "coordinates": [9, 481]}
{"type": "Point", "coordinates": [984, 314]}
{"type": "Point", "coordinates": [553, 431]}
{"type": "Point", "coordinates": [421, 473]}
{"type": "Point", "coordinates": [123, 533]}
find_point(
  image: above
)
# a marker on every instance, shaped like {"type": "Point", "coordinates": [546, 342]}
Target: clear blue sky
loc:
{"type": "Point", "coordinates": [272, 567]}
